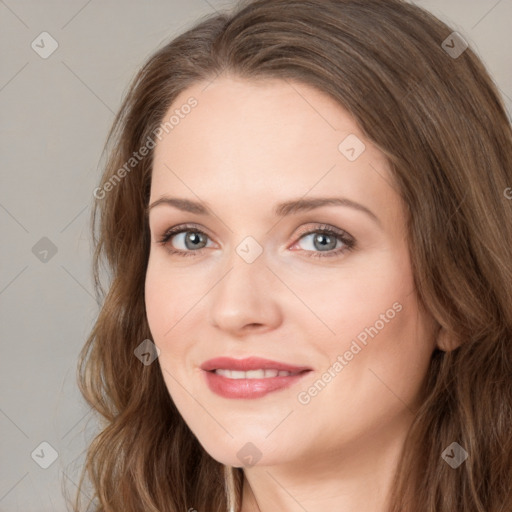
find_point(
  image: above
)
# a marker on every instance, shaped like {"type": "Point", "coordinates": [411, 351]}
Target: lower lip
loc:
{"type": "Point", "coordinates": [249, 388]}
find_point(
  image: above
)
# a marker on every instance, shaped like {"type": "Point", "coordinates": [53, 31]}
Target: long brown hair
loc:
{"type": "Point", "coordinates": [441, 122]}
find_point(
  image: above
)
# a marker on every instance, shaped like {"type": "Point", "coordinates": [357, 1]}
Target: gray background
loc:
{"type": "Point", "coordinates": [55, 116]}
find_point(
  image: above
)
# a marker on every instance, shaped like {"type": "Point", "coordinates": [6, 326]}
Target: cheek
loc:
{"type": "Point", "coordinates": [402, 358]}
{"type": "Point", "coordinates": [380, 333]}
{"type": "Point", "coordinates": [377, 383]}
{"type": "Point", "coordinates": [365, 296]}
{"type": "Point", "coordinates": [163, 314]}
{"type": "Point", "coordinates": [173, 314]}
{"type": "Point", "coordinates": [169, 297]}
{"type": "Point", "coordinates": [384, 353]}
{"type": "Point", "coordinates": [155, 296]}
{"type": "Point", "coordinates": [169, 294]}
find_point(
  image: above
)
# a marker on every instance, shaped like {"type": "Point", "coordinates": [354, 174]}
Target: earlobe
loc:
{"type": "Point", "coordinates": [446, 341]}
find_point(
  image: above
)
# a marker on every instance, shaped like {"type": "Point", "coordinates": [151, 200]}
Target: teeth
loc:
{"type": "Point", "coordinates": [252, 374]}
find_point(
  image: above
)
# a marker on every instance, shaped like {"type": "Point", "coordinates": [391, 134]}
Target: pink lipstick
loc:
{"type": "Point", "coordinates": [252, 377]}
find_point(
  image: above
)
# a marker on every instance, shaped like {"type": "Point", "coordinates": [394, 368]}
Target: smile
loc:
{"type": "Point", "coordinates": [253, 374]}
{"type": "Point", "coordinates": [250, 384]}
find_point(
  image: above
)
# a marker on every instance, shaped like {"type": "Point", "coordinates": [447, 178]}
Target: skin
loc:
{"type": "Point", "coordinates": [247, 146]}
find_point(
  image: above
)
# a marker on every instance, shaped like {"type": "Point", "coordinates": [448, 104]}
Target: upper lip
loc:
{"type": "Point", "coordinates": [249, 363]}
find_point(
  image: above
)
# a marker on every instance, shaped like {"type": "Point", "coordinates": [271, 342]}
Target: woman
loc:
{"type": "Point", "coordinates": [237, 367]}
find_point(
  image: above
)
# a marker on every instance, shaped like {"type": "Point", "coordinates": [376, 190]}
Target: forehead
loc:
{"type": "Point", "coordinates": [272, 138]}
{"type": "Point", "coordinates": [238, 118]}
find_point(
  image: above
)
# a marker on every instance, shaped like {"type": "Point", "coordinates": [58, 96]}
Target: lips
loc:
{"type": "Point", "coordinates": [250, 363]}
{"type": "Point", "coordinates": [240, 378]}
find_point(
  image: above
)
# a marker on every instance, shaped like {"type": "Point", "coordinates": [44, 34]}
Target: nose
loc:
{"type": "Point", "coordinates": [247, 297]}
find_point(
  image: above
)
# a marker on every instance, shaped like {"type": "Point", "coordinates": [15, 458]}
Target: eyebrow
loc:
{"type": "Point", "coordinates": [286, 208]}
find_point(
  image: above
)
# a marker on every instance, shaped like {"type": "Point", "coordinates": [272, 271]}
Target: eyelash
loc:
{"type": "Point", "coordinates": [323, 229]}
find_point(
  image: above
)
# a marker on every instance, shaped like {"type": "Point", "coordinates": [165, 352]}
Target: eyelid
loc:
{"type": "Point", "coordinates": [180, 228]}
{"type": "Point", "coordinates": [319, 226]}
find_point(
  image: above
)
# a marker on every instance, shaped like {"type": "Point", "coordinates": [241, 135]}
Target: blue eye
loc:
{"type": "Point", "coordinates": [324, 236]}
{"type": "Point", "coordinates": [194, 239]}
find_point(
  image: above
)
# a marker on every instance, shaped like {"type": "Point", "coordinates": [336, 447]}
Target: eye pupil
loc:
{"type": "Point", "coordinates": [194, 238]}
{"type": "Point", "coordinates": [320, 238]}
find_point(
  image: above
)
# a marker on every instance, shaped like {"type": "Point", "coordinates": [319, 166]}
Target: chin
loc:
{"type": "Point", "coordinates": [238, 453]}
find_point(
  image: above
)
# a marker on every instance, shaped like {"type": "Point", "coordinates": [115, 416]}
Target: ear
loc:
{"type": "Point", "coordinates": [446, 341]}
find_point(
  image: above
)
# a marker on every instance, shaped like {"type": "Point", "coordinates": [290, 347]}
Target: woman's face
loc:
{"type": "Point", "coordinates": [264, 281]}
